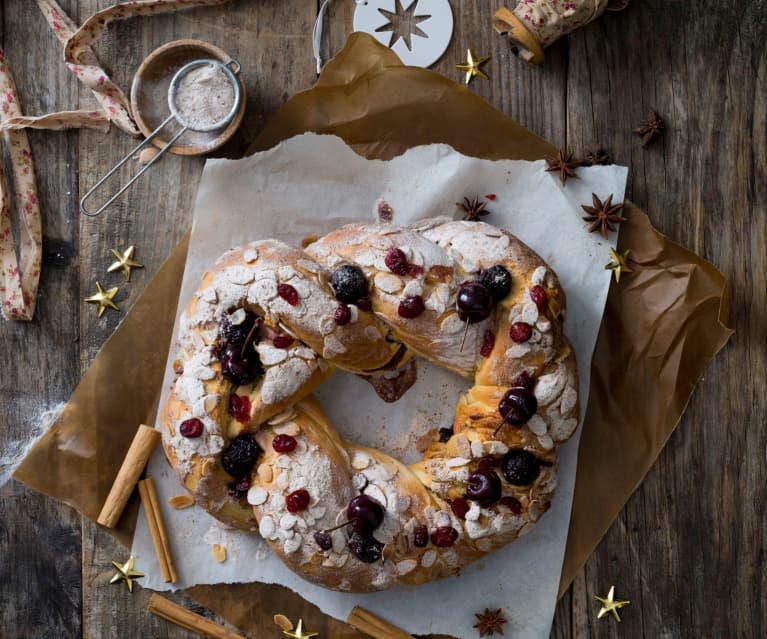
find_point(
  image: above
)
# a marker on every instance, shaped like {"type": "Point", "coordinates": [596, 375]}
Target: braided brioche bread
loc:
{"type": "Point", "coordinates": [270, 322]}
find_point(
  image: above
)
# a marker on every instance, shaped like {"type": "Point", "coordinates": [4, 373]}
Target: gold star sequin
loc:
{"type": "Point", "coordinates": [298, 633]}
{"type": "Point", "coordinates": [473, 66]}
{"type": "Point", "coordinates": [124, 262]}
{"type": "Point", "coordinates": [103, 298]}
{"type": "Point", "coordinates": [609, 604]}
{"type": "Point", "coordinates": [619, 263]}
{"type": "Point", "coordinates": [126, 573]}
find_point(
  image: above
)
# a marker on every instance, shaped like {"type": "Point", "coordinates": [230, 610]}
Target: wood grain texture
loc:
{"type": "Point", "coordinates": [688, 549]}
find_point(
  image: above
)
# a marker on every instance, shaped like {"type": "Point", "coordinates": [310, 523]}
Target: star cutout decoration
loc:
{"type": "Point", "coordinates": [403, 23]}
{"type": "Point", "coordinates": [298, 633]}
{"type": "Point", "coordinates": [619, 263]}
{"type": "Point", "coordinates": [473, 66]}
{"type": "Point", "coordinates": [126, 573]}
{"type": "Point", "coordinates": [103, 298]}
{"type": "Point", "coordinates": [609, 604]}
{"type": "Point", "coordinates": [124, 262]}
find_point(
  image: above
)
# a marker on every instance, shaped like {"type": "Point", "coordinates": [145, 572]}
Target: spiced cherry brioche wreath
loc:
{"type": "Point", "coordinates": [267, 326]}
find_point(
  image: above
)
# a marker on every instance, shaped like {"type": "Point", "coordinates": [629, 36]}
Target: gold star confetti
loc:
{"type": "Point", "coordinates": [124, 262]}
{"type": "Point", "coordinates": [609, 604]}
{"type": "Point", "coordinates": [103, 298]}
{"type": "Point", "coordinates": [299, 632]}
{"type": "Point", "coordinates": [473, 66]}
{"type": "Point", "coordinates": [619, 263]}
{"type": "Point", "coordinates": [126, 573]}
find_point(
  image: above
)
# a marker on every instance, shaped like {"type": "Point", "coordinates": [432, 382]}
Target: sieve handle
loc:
{"type": "Point", "coordinates": [143, 170]}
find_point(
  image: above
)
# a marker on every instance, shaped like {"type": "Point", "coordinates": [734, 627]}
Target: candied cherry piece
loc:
{"type": "Point", "coordinates": [284, 443]}
{"type": "Point", "coordinates": [239, 487]}
{"type": "Point", "coordinates": [484, 487]}
{"type": "Point", "coordinates": [191, 428]}
{"type": "Point", "coordinates": [365, 547]}
{"type": "Point", "coordinates": [396, 261]}
{"type": "Point", "coordinates": [411, 307]}
{"type": "Point", "coordinates": [288, 293]}
{"type": "Point", "coordinates": [365, 304]}
{"type": "Point", "coordinates": [541, 298]}
{"type": "Point", "coordinates": [460, 507]}
{"type": "Point", "coordinates": [323, 540]}
{"type": "Point", "coordinates": [488, 341]}
{"type": "Point", "coordinates": [520, 332]}
{"type": "Point", "coordinates": [283, 340]}
{"type": "Point", "coordinates": [236, 326]}
{"type": "Point", "coordinates": [297, 501]}
{"type": "Point", "coordinates": [523, 380]}
{"type": "Point", "coordinates": [365, 514]}
{"type": "Point", "coordinates": [413, 270]}
{"type": "Point", "coordinates": [237, 366]}
{"type": "Point", "coordinates": [342, 315]}
{"type": "Point", "coordinates": [520, 467]}
{"type": "Point", "coordinates": [444, 536]}
{"type": "Point", "coordinates": [349, 284]}
{"type": "Point", "coordinates": [239, 407]}
{"type": "Point", "coordinates": [473, 302]}
{"type": "Point", "coordinates": [512, 503]}
{"type": "Point", "coordinates": [497, 280]}
{"type": "Point", "coordinates": [241, 455]}
{"type": "Point", "coordinates": [518, 405]}
{"type": "Point", "coordinates": [487, 463]}
{"type": "Point", "coordinates": [420, 536]}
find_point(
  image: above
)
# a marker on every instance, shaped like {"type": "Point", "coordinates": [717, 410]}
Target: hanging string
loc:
{"type": "Point", "coordinates": [318, 29]}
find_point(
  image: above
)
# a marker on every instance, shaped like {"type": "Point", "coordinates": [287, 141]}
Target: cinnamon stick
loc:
{"type": "Point", "coordinates": [133, 465]}
{"type": "Point", "coordinates": [156, 524]}
{"type": "Point", "coordinates": [374, 626]}
{"type": "Point", "coordinates": [179, 615]}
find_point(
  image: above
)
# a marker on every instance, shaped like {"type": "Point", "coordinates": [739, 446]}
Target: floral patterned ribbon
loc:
{"type": "Point", "coordinates": [19, 276]}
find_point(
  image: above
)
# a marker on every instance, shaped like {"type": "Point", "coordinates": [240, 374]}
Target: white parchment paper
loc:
{"type": "Point", "coordinates": [312, 184]}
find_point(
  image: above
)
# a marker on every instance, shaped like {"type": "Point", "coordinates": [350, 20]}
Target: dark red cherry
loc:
{"type": "Point", "coordinates": [487, 463]}
{"type": "Point", "coordinates": [239, 407]}
{"type": "Point", "coordinates": [364, 304]}
{"type": "Point", "coordinates": [473, 302]}
{"type": "Point", "coordinates": [365, 547]}
{"type": "Point", "coordinates": [484, 487]}
{"type": "Point", "coordinates": [497, 280]}
{"type": "Point", "coordinates": [411, 307]}
{"type": "Point", "coordinates": [365, 513]}
{"type": "Point", "coordinates": [445, 434]}
{"type": "Point", "coordinates": [323, 539]}
{"type": "Point", "coordinates": [236, 326]}
{"type": "Point", "coordinates": [518, 405]}
{"type": "Point", "coordinates": [284, 443]}
{"type": "Point", "coordinates": [238, 488]}
{"type": "Point", "coordinates": [523, 380]}
{"type": "Point", "coordinates": [396, 261]}
{"type": "Point", "coordinates": [512, 503]}
{"type": "Point", "coordinates": [520, 467]}
{"type": "Point", "coordinates": [349, 284]}
{"type": "Point", "coordinates": [342, 315]}
{"type": "Point", "coordinates": [540, 297]}
{"type": "Point", "coordinates": [413, 270]}
{"type": "Point", "coordinates": [288, 293]}
{"type": "Point", "coordinates": [283, 340]}
{"type": "Point", "coordinates": [420, 536]}
{"type": "Point", "coordinates": [240, 456]}
{"type": "Point", "coordinates": [191, 428]}
{"type": "Point", "coordinates": [237, 366]}
{"type": "Point", "coordinates": [297, 501]}
{"type": "Point", "coordinates": [444, 536]}
{"type": "Point", "coordinates": [460, 507]}
{"type": "Point", "coordinates": [520, 332]}
{"type": "Point", "coordinates": [488, 341]}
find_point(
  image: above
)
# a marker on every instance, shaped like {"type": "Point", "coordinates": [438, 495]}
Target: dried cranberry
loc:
{"type": "Point", "coordinates": [488, 341]}
{"type": "Point", "coordinates": [365, 304]}
{"type": "Point", "coordinates": [288, 293]}
{"type": "Point", "coordinates": [487, 463]}
{"type": "Point", "coordinates": [342, 315]}
{"type": "Point", "coordinates": [283, 340]}
{"type": "Point", "coordinates": [323, 539]}
{"type": "Point", "coordinates": [445, 434]}
{"type": "Point", "coordinates": [497, 280]}
{"type": "Point", "coordinates": [491, 196]}
{"type": "Point", "coordinates": [239, 407]}
{"type": "Point", "coordinates": [444, 536]}
{"type": "Point", "coordinates": [520, 467]}
{"type": "Point", "coordinates": [284, 443]}
{"type": "Point", "coordinates": [241, 456]}
{"type": "Point", "coordinates": [420, 536]}
{"type": "Point", "coordinates": [396, 261]}
{"type": "Point", "coordinates": [484, 487]}
{"type": "Point", "coordinates": [349, 283]}
{"type": "Point", "coordinates": [365, 513]}
{"type": "Point", "coordinates": [411, 307]}
{"type": "Point", "coordinates": [473, 302]}
{"type": "Point", "coordinates": [460, 507]}
{"type": "Point", "coordinates": [191, 427]}
{"type": "Point", "coordinates": [523, 380]}
{"type": "Point", "coordinates": [365, 547]}
{"type": "Point", "coordinates": [518, 405]}
{"type": "Point", "coordinates": [413, 270]}
{"type": "Point", "coordinates": [540, 297]}
{"type": "Point", "coordinates": [239, 488]}
{"type": "Point", "coordinates": [297, 501]}
{"type": "Point", "coordinates": [512, 503]}
{"type": "Point", "coordinates": [520, 332]}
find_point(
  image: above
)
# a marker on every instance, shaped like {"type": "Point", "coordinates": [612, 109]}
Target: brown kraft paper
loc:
{"type": "Point", "coordinates": [662, 325]}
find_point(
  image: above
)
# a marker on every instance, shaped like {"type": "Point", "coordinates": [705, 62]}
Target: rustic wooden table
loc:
{"type": "Point", "coordinates": [689, 548]}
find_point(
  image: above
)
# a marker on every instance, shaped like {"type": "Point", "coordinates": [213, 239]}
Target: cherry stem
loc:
{"type": "Point", "coordinates": [465, 331]}
{"type": "Point", "coordinates": [501, 425]}
{"type": "Point", "coordinates": [346, 523]}
{"type": "Point", "coordinates": [248, 338]}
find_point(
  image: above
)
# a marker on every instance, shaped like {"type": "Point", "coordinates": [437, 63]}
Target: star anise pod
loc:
{"type": "Point", "coordinates": [603, 215]}
{"type": "Point", "coordinates": [489, 622]}
{"type": "Point", "coordinates": [563, 163]}
{"type": "Point", "coordinates": [597, 156]}
{"type": "Point", "coordinates": [650, 128]}
{"type": "Point", "coordinates": [473, 208]}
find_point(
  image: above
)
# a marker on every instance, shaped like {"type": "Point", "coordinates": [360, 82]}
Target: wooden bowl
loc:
{"type": "Point", "coordinates": [149, 96]}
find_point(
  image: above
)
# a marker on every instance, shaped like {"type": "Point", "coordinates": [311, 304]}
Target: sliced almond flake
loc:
{"type": "Point", "coordinates": [250, 255]}
{"type": "Point", "coordinates": [388, 283]}
{"type": "Point", "coordinates": [241, 275]}
{"type": "Point", "coordinates": [281, 418]}
{"type": "Point", "coordinates": [546, 442]}
{"type": "Point", "coordinates": [376, 493]}
{"type": "Point", "coordinates": [536, 425]}
{"type": "Point", "coordinates": [462, 445]}
{"type": "Point", "coordinates": [539, 275]}
{"type": "Point", "coordinates": [406, 565]}
{"type": "Point", "coordinates": [265, 473]}
{"type": "Point", "coordinates": [428, 559]}
{"type": "Point", "coordinates": [360, 461]}
{"type": "Point", "coordinates": [257, 496]}
{"type": "Point", "coordinates": [181, 501]}
{"type": "Point", "coordinates": [456, 462]}
{"type": "Point", "coordinates": [308, 265]}
{"type": "Point", "coordinates": [293, 544]}
{"type": "Point", "coordinates": [543, 325]}
{"type": "Point", "coordinates": [291, 428]}
{"type": "Point", "coordinates": [219, 553]}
